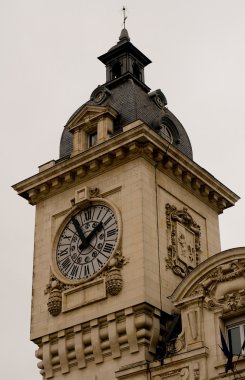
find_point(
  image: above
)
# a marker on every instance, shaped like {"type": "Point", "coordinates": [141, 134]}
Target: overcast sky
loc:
{"type": "Point", "coordinates": [49, 67]}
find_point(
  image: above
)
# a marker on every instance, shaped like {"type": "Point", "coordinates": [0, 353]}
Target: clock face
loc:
{"type": "Point", "coordinates": [87, 242]}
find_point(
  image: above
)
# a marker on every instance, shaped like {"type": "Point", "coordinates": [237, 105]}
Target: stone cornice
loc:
{"type": "Point", "coordinates": [137, 140]}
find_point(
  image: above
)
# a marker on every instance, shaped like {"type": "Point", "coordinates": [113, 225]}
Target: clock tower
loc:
{"type": "Point", "coordinates": [121, 218]}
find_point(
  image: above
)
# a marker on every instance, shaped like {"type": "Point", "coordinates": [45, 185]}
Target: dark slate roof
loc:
{"type": "Point", "coordinates": [133, 102]}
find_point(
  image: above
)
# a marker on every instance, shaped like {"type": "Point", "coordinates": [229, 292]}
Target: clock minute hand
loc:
{"type": "Point", "coordinates": [89, 237]}
{"type": "Point", "coordinates": [79, 230]}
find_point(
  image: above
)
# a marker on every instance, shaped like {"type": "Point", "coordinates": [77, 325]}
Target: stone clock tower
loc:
{"type": "Point", "coordinates": [121, 218]}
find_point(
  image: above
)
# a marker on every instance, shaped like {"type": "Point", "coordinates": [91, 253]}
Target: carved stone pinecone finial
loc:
{"type": "Point", "coordinates": [114, 282]}
{"type": "Point", "coordinates": [55, 302]}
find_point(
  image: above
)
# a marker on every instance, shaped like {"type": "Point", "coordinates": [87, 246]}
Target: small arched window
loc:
{"type": "Point", "coordinates": [116, 70]}
{"type": "Point", "coordinates": [166, 133]}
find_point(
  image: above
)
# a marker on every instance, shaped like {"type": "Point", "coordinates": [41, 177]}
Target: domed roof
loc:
{"type": "Point", "coordinates": [126, 92]}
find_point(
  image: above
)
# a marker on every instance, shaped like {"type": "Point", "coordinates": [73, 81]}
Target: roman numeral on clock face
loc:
{"type": "Point", "coordinates": [108, 247]}
{"type": "Point", "coordinates": [64, 252]}
{"type": "Point", "coordinates": [111, 232]}
{"type": "Point", "coordinates": [99, 262]}
{"type": "Point", "coordinates": [74, 271]}
{"type": "Point", "coordinates": [86, 270]}
{"type": "Point", "coordinates": [108, 220]}
{"type": "Point", "coordinates": [66, 263]}
{"type": "Point", "coordinates": [88, 214]}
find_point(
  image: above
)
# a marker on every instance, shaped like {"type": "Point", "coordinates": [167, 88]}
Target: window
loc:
{"type": "Point", "coordinates": [236, 336]}
{"type": "Point", "coordinates": [92, 139]}
{"type": "Point", "coordinates": [165, 133]}
{"type": "Point", "coordinates": [116, 70]}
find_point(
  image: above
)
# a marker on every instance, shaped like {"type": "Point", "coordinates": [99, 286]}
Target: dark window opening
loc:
{"type": "Point", "coordinates": [116, 70]}
{"type": "Point", "coordinates": [92, 139]}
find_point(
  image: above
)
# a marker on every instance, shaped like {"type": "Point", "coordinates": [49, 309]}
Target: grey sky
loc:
{"type": "Point", "coordinates": [49, 68]}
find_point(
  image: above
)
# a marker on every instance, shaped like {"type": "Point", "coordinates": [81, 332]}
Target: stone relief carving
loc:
{"type": "Point", "coordinates": [184, 241]}
{"type": "Point", "coordinates": [196, 371]}
{"type": "Point", "coordinates": [100, 94]}
{"type": "Point", "coordinates": [113, 279]}
{"type": "Point", "coordinates": [224, 287]}
{"type": "Point", "coordinates": [176, 345]}
{"type": "Point", "coordinates": [182, 373]}
{"type": "Point", "coordinates": [94, 192]}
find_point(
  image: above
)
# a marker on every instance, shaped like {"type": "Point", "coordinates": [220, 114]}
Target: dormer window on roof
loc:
{"type": "Point", "coordinates": [91, 126]}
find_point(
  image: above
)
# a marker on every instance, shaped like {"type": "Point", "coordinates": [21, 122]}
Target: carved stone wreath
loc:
{"type": "Point", "coordinates": [100, 94]}
{"type": "Point", "coordinates": [184, 241]}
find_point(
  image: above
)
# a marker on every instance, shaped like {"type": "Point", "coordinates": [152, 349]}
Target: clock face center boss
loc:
{"type": "Point", "coordinates": [86, 242]}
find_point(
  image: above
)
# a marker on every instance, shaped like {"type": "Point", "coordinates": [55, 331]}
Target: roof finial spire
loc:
{"type": "Point", "coordinates": [124, 33]}
{"type": "Point", "coordinates": [124, 16]}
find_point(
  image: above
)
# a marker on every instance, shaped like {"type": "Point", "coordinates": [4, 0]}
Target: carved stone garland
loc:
{"type": "Point", "coordinates": [184, 238]}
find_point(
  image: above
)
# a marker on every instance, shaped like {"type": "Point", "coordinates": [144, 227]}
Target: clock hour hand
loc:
{"type": "Point", "coordinates": [89, 237]}
{"type": "Point", "coordinates": [79, 230]}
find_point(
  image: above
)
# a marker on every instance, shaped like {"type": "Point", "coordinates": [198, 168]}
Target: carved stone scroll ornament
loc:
{"type": "Point", "coordinates": [184, 241]}
{"type": "Point", "coordinates": [224, 287]}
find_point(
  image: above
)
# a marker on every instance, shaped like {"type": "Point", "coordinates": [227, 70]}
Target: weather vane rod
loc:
{"type": "Point", "coordinates": [124, 16]}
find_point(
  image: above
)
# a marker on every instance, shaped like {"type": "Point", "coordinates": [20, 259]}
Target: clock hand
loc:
{"type": "Point", "coordinates": [89, 237]}
{"type": "Point", "coordinates": [79, 230]}
{"type": "Point", "coordinates": [92, 233]}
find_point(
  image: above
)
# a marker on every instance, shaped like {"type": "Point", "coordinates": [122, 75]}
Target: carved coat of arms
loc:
{"type": "Point", "coordinates": [184, 241]}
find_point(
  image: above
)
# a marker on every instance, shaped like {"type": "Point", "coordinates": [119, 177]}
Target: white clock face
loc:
{"type": "Point", "coordinates": [87, 242]}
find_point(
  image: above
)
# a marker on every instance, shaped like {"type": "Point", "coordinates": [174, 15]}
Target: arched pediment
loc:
{"type": "Point", "coordinates": [219, 281]}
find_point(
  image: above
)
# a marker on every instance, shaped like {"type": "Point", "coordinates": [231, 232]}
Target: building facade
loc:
{"type": "Point", "coordinates": [128, 278]}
